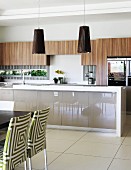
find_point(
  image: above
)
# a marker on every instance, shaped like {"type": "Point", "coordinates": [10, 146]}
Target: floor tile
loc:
{"type": "Point", "coordinates": [119, 164]}
{"type": "Point", "coordinates": [48, 130]}
{"type": "Point", "coordinates": [58, 145]}
{"type": "Point", "coordinates": [128, 120]}
{"type": "Point", "coordinates": [127, 140]}
{"type": "Point", "coordinates": [77, 162]}
{"type": "Point", "coordinates": [102, 138]}
{"type": "Point", "coordinates": [126, 130]}
{"type": "Point", "coordinates": [38, 160]}
{"type": "Point", "coordinates": [20, 168]}
{"type": "Point", "coordinates": [124, 152]}
{"type": "Point", "coordinates": [93, 149]}
{"type": "Point", "coordinates": [65, 134]}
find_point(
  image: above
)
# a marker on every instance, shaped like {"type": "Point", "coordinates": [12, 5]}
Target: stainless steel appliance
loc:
{"type": "Point", "coordinates": [119, 71]}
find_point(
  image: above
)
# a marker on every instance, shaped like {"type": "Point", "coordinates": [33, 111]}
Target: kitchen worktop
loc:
{"type": "Point", "coordinates": [72, 87]}
{"type": "Point", "coordinates": [59, 87]}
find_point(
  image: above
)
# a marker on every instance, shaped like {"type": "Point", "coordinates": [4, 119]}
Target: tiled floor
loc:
{"type": "Point", "coordinates": [79, 150]}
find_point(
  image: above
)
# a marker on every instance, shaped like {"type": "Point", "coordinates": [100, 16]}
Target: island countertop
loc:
{"type": "Point", "coordinates": [68, 88]}
{"type": "Point", "coordinates": [76, 106]}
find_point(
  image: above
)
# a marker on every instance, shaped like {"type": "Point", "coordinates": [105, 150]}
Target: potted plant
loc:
{"type": "Point", "coordinates": [55, 80]}
{"type": "Point", "coordinates": [60, 77]}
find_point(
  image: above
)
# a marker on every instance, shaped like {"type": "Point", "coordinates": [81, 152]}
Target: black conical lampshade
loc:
{"type": "Point", "coordinates": [38, 42]}
{"type": "Point", "coordinates": [84, 44]}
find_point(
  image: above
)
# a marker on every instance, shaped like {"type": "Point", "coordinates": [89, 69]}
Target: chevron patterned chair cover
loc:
{"type": "Point", "coordinates": [14, 151]}
{"type": "Point", "coordinates": [37, 135]}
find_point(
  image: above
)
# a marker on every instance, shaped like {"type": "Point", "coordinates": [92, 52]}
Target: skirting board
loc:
{"type": "Point", "coordinates": [81, 128]}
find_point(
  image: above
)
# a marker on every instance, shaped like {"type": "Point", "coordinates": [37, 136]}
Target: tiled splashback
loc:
{"type": "Point", "coordinates": [30, 72]}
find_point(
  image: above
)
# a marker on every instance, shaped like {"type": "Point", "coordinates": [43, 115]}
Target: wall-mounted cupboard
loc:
{"type": "Point", "coordinates": [20, 53]}
{"type": "Point", "coordinates": [103, 48]}
{"type": "Point", "coordinates": [61, 47]}
{"type": "Point", "coordinates": [90, 58]}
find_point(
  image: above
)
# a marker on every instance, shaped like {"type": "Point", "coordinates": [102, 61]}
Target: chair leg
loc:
{"type": "Point", "coordinates": [25, 165]}
{"type": "Point", "coordinates": [45, 155]}
{"type": "Point", "coordinates": [30, 164]}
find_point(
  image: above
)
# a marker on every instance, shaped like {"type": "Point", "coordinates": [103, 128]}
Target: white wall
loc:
{"type": "Point", "coordinates": [70, 64]}
{"type": "Point", "coordinates": [68, 31]}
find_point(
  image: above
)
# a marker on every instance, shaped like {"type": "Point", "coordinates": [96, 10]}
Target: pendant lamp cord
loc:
{"type": "Point", "coordinates": [38, 14]}
{"type": "Point", "coordinates": [84, 12]}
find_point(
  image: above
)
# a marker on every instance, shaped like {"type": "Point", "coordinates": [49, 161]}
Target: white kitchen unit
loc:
{"type": "Point", "coordinates": [92, 108]}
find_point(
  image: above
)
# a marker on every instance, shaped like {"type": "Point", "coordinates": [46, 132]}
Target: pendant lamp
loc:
{"type": "Point", "coordinates": [84, 44]}
{"type": "Point", "coordinates": [38, 40]}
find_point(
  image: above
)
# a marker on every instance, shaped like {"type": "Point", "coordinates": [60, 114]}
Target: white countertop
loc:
{"type": "Point", "coordinates": [68, 88]}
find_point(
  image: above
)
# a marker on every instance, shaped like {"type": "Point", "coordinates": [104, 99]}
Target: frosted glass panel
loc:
{"type": "Point", "coordinates": [90, 109]}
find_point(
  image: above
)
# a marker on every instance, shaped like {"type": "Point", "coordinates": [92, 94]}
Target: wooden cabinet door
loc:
{"type": "Point", "coordinates": [29, 60]}
{"type": "Point", "coordinates": [128, 40]}
{"type": "Point", "coordinates": [124, 48]}
{"type": "Point", "coordinates": [107, 47]}
{"type": "Point", "coordinates": [90, 58]}
{"type": "Point", "coordinates": [9, 54]}
{"type": "Point", "coordinates": [120, 47]}
{"type": "Point", "coordinates": [32, 59]}
{"type": "Point", "coordinates": [40, 59]}
{"type": "Point", "coordinates": [15, 54]}
{"type": "Point", "coordinates": [1, 53]}
{"type": "Point", "coordinates": [116, 47]}
{"type": "Point", "coordinates": [99, 64]}
{"type": "Point", "coordinates": [26, 49]}
{"type": "Point", "coordinates": [6, 54]}
{"type": "Point", "coordinates": [51, 47]}
{"type": "Point", "coordinates": [61, 47]}
{"type": "Point", "coordinates": [106, 52]}
{"type": "Point", "coordinates": [67, 47]}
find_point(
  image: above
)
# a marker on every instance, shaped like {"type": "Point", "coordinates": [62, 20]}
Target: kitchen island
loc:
{"type": "Point", "coordinates": [99, 108]}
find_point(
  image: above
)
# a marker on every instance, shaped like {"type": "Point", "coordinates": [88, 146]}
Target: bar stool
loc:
{"type": "Point", "coordinates": [14, 150]}
{"type": "Point", "coordinates": [37, 135]}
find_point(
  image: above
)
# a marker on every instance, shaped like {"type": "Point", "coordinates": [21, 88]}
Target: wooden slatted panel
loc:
{"type": "Point", "coordinates": [93, 53]}
{"type": "Point", "coordinates": [62, 47]}
{"type": "Point", "coordinates": [51, 47]}
{"type": "Point", "coordinates": [124, 46]}
{"type": "Point", "coordinates": [23, 47]}
{"type": "Point", "coordinates": [75, 47]}
{"type": "Point", "coordinates": [90, 58]}
{"type": "Point", "coordinates": [6, 54]}
{"type": "Point", "coordinates": [117, 47]}
{"type": "Point", "coordinates": [1, 53]}
{"type": "Point", "coordinates": [128, 46]}
{"type": "Point", "coordinates": [71, 47]}
{"type": "Point", "coordinates": [83, 57]}
{"type": "Point", "coordinates": [106, 51]}
{"type": "Point", "coordinates": [29, 54]}
{"type": "Point", "coordinates": [20, 53]}
{"type": "Point", "coordinates": [15, 54]}
{"type": "Point", "coordinates": [107, 46]}
{"type": "Point", "coordinates": [99, 67]}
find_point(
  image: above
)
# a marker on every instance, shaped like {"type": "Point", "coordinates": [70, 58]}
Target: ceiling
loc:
{"type": "Point", "coordinates": [21, 12]}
